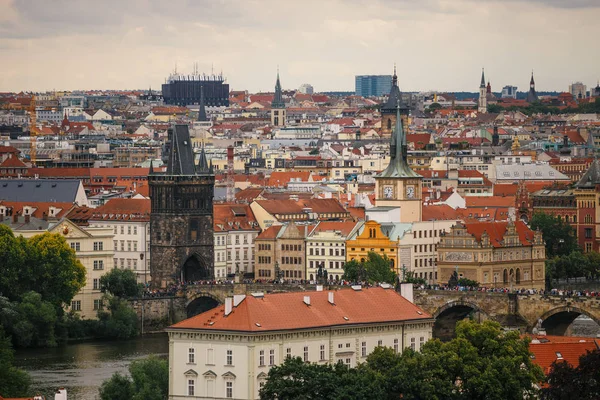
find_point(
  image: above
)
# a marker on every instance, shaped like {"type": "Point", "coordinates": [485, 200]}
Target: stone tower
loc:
{"type": "Point", "coordinates": [278, 105]}
{"type": "Point", "coordinates": [532, 95]}
{"type": "Point", "coordinates": [388, 110]}
{"type": "Point", "coordinates": [482, 103]}
{"type": "Point", "coordinates": [398, 185]}
{"type": "Point", "coordinates": [181, 219]}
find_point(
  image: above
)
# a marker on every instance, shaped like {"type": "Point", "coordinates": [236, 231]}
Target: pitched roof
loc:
{"type": "Point", "coordinates": [497, 229]}
{"type": "Point", "coordinates": [123, 210]}
{"type": "Point", "coordinates": [287, 311]}
{"type": "Point", "coordinates": [9, 149]}
{"type": "Point", "coordinates": [318, 206]}
{"type": "Point", "coordinates": [591, 178]}
{"type": "Point", "coordinates": [39, 190]}
{"type": "Point", "coordinates": [439, 212]}
{"type": "Point", "coordinates": [489, 201]}
{"type": "Point", "coordinates": [233, 217]}
{"type": "Point", "coordinates": [38, 209]}
{"type": "Point", "coordinates": [344, 227]}
{"type": "Point", "coordinates": [544, 354]}
{"type": "Point", "coordinates": [269, 233]}
{"type": "Point", "coordinates": [281, 178]}
{"type": "Point", "coordinates": [13, 162]}
{"type": "Point", "coordinates": [511, 189]}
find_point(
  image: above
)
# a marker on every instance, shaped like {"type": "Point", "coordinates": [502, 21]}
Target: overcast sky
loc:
{"type": "Point", "coordinates": [437, 44]}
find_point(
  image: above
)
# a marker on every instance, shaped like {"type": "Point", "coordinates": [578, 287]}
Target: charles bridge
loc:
{"type": "Point", "coordinates": [525, 312]}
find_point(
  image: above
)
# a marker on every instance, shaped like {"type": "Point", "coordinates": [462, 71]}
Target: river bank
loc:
{"type": "Point", "coordinates": [82, 367]}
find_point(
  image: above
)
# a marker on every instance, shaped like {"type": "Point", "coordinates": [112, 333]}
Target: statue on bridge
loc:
{"type": "Point", "coordinates": [321, 274]}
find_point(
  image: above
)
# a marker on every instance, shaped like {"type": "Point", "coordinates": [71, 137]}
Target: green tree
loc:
{"type": "Point", "coordinates": [120, 321]}
{"type": "Point", "coordinates": [37, 321]}
{"type": "Point", "coordinates": [558, 235]}
{"type": "Point", "coordinates": [149, 381]}
{"type": "Point", "coordinates": [118, 387]}
{"type": "Point", "coordinates": [434, 106]}
{"type": "Point", "coordinates": [566, 382]}
{"type": "Point", "coordinates": [13, 381]}
{"type": "Point", "coordinates": [120, 283]}
{"type": "Point", "coordinates": [295, 379]}
{"type": "Point", "coordinates": [374, 269]}
{"type": "Point", "coordinates": [12, 261]}
{"type": "Point", "coordinates": [467, 282]}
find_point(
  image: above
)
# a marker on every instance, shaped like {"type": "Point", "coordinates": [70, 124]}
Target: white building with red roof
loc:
{"type": "Point", "coordinates": [227, 352]}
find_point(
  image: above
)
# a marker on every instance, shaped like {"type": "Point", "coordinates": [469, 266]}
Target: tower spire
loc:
{"type": "Point", "coordinates": [278, 98]}
{"type": "Point", "coordinates": [482, 85]}
{"type": "Point", "coordinates": [394, 77]}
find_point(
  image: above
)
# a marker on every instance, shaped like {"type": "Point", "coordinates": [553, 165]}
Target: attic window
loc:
{"type": "Point", "coordinates": [559, 355]}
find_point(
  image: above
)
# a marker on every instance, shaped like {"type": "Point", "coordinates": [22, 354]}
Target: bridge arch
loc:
{"type": "Point", "coordinates": [557, 320]}
{"type": "Point", "coordinates": [447, 316]}
{"type": "Point", "coordinates": [200, 302]}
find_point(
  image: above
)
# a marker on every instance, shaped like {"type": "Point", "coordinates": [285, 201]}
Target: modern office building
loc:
{"type": "Point", "coordinates": [509, 92]}
{"type": "Point", "coordinates": [183, 90]}
{"type": "Point", "coordinates": [373, 85]}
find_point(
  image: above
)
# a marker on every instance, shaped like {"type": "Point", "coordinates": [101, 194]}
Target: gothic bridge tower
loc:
{"type": "Point", "coordinates": [181, 218]}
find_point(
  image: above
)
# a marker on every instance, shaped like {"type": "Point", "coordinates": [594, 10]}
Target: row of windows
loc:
{"type": "Point", "coordinates": [132, 245]}
{"type": "Point", "coordinates": [291, 247]}
{"type": "Point", "coordinates": [264, 260]}
{"type": "Point", "coordinates": [98, 246]}
{"type": "Point", "coordinates": [332, 264]}
{"type": "Point", "coordinates": [120, 262]}
{"type": "Point", "coordinates": [131, 230]}
{"type": "Point", "coordinates": [432, 233]}
{"type": "Point", "coordinates": [98, 264]}
{"type": "Point", "coordinates": [423, 247]}
{"type": "Point", "coordinates": [291, 260]}
{"type": "Point", "coordinates": [262, 246]}
{"type": "Point", "coordinates": [337, 252]}
{"type": "Point", "coordinates": [237, 239]}
{"type": "Point", "coordinates": [427, 263]}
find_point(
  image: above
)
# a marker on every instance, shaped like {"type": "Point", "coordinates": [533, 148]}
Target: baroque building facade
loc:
{"type": "Point", "coordinates": [495, 254]}
{"type": "Point", "coordinates": [181, 216]}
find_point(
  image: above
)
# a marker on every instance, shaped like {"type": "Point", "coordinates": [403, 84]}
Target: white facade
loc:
{"type": "Point", "coordinates": [329, 248]}
{"type": "Point", "coordinates": [234, 250]}
{"type": "Point", "coordinates": [131, 243]}
{"type": "Point", "coordinates": [207, 362]}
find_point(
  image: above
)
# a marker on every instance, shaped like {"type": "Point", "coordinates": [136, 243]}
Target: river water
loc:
{"type": "Point", "coordinates": [82, 367]}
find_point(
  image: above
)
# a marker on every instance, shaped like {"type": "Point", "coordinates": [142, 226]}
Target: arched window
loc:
{"type": "Point", "coordinates": [518, 276]}
{"type": "Point", "coordinates": [389, 123]}
{"type": "Point", "coordinates": [505, 277]}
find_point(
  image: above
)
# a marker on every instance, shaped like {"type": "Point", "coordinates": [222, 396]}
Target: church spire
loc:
{"type": "Point", "coordinates": [532, 95]}
{"type": "Point", "coordinates": [482, 85]}
{"type": "Point", "coordinates": [398, 166]}
{"type": "Point", "coordinates": [202, 167]}
{"type": "Point", "coordinates": [202, 110]}
{"type": "Point", "coordinates": [394, 77]}
{"type": "Point", "coordinates": [151, 168]}
{"type": "Point", "coordinates": [278, 98]}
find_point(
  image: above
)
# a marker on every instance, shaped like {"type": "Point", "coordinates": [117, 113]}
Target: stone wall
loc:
{"type": "Point", "coordinates": [159, 313]}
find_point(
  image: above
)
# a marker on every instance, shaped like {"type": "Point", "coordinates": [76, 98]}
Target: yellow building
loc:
{"type": "Point", "coordinates": [370, 237]}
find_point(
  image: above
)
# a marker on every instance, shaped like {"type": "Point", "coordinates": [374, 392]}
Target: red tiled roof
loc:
{"type": "Point", "coordinates": [497, 229]}
{"type": "Point", "coordinates": [357, 213]}
{"type": "Point", "coordinates": [547, 353]}
{"type": "Point", "coordinates": [318, 206]}
{"type": "Point", "coordinates": [233, 217]}
{"type": "Point", "coordinates": [8, 149]}
{"type": "Point", "coordinates": [287, 311]}
{"type": "Point", "coordinates": [248, 195]}
{"type": "Point", "coordinates": [40, 209]}
{"type": "Point", "coordinates": [123, 210]}
{"type": "Point", "coordinates": [13, 162]}
{"type": "Point", "coordinates": [344, 227]}
{"type": "Point", "coordinates": [510, 189]}
{"type": "Point", "coordinates": [281, 179]}
{"type": "Point", "coordinates": [439, 212]}
{"type": "Point", "coordinates": [489, 201]}
{"type": "Point", "coordinates": [270, 233]}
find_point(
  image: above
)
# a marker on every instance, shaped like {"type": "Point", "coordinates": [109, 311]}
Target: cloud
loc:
{"type": "Point", "coordinates": [438, 44]}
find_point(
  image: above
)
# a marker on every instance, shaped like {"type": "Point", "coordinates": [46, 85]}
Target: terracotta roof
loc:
{"type": "Point", "coordinates": [281, 179]}
{"type": "Point", "coordinates": [496, 231]}
{"type": "Point", "coordinates": [357, 213]}
{"type": "Point", "coordinates": [318, 206]}
{"type": "Point", "coordinates": [13, 162]}
{"type": "Point", "coordinates": [439, 212]}
{"type": "Point", "coordinates": [510, 189]}
{"type": "Point", "coordinates": [123, 210]}
{"type": "Point", "coordinates": [287, 311]}
{"type": "Point", "coordinates": [544, 354]}
{"type": "Point", "coordinates": [9, 149]}
{"type": "Point", "coordinates": [344, 227]}
{"type": "Point", "coordinates": [269, 233]}
{"type": "Point", "coordinates": [248, 195]}
{"type": "Point", "coordinates": [233, 217]}
{"type": "Point", "coordinates": [39, 209]}
{"type": "Point", "coordinates": [489, 201]}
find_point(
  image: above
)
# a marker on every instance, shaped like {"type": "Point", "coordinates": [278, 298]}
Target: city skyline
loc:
{"type": "Point", "coordinates": [437, 45]}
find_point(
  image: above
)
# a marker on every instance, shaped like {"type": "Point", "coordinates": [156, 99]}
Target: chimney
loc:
{"type": "Point", "coordinates": [319, 288]}
{"type": "Point", "coordinates": [330, 298]}
{"type": "Point", "coordinates": [228, 305]}
{"type": "Point", "coordinates": [237, 299]}
{"type": "Point", "coordinates": [307, 300]}
{"type": "Point", "coordinates": [15, 218]}
{"type": "Point", "coordinates": [406, 290]}
{"type": "Point", "coordinates": [27, 218]}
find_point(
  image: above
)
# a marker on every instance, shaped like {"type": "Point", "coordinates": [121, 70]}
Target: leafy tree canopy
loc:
{"type": "Point", "coordinates": [375, 269]}
{"type": "Point", "coordinates": [149, 381]}
{"type": "Point", "coordinates": [13, 381]}
{"type": "Point", "coordinates": [558, 235]}
{"type": "Point", "coordinates": [120, 283]}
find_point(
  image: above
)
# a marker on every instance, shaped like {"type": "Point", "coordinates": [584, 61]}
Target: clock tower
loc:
{"type": "Point", "coordinates": [398, 185]}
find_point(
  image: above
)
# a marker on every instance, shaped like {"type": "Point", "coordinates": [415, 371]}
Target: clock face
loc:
{"type": "Point", "coordinates": [388, 192]}
{"type": "Point", "coordinates": [410, 192]}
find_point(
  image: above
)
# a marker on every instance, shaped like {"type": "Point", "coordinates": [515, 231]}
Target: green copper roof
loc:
{"type": "Point", "coordinates": [398, 167]}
